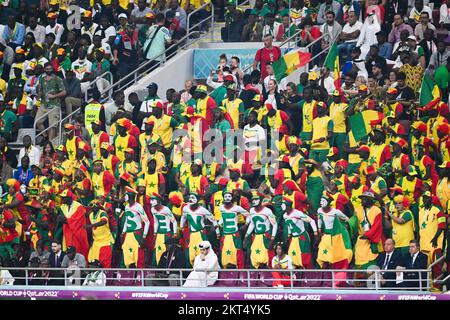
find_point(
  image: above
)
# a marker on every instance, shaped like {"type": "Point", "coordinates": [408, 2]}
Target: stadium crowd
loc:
{"type": "Point", "coordinates": [336, 171]}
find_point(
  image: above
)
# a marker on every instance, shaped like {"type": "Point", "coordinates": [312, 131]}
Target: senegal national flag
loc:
{"type": "Point", "coordinates": [335, 248]}
{"type": "Point", "coordinates": [290, 62]}
{"type": "Point", "coordinates": [332, 63]}
{"type": "Point", "coordinates": [361, 123]}
{"type": "Point", "coordinates": [429, 93]}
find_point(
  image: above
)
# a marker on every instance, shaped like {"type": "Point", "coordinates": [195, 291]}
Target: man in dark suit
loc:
{"type": "Point", "coordinates": [55, 258]}
{"type": "Point", "coordinates": [390, 259]}
{"type": "Point", "coordinates": [415, 260]}
{"type": "Point", "coordinates": [57, 255]}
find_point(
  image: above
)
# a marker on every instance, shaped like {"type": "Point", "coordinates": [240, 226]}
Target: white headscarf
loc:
{"type": "Point", "coordinates": [368, 34]}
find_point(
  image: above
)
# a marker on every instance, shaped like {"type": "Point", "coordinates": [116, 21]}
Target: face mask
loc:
{"type": "Point", "coordinates": [323, 203]}
{"type": "Point", "coordinates": [23, 189]}
{"type": "Point", "coordinates": [154, 202]}
{"type": "Point", "coordinates": [283, 207]}
{"type": "Point", "coordinates": [126, 197]}
{"type": "Point", "coordinates": [256, 202]}
{"type": "Point", "coordinates": [227, 198]}
{"type": "Point", "coordinates": [193, 199]}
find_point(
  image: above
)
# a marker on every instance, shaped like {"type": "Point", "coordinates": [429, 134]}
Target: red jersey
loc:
{"type": "Point", "coordinates": [265, 55]}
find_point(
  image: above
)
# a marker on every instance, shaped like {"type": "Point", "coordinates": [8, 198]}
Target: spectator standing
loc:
{"type": "Point", "coordinates": [125, 49]}
{"type": "Point", "coordinates": [269, 53]}
{"type": "Point", "coordinates": [157, 38]}
{"type": "Point", "coordinates": [139, 12]}
{"type": "Point", "coordinates": [50, 90]}
{"type": "Point", "coordinates": [73, 99]}
{"type": "Point", "coordinates": [179, 13]}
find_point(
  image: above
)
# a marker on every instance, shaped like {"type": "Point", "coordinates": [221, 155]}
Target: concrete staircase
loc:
{"type": "Point", "coordinates": [212, 36]}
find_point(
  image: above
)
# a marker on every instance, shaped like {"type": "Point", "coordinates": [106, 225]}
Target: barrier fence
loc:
{"type": "Point", "coordinates": [323, 279]}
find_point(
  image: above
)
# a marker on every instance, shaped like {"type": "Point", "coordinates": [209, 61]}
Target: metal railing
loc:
{"type": "Point", "coordinates": [94, 82]}
{"type": "Point", "coordinates": [326, 279]}
{"type": "Point", "coordinates": [146, 67]}
{"type": "Point", "coordinates": [188, 19]}
{"type": "Point", "coordinates": [50, 125]}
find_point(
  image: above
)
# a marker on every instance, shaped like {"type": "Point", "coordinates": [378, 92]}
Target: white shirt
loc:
{"type": "Point", "coordinates": [328, 217]}
{"type": "Point", "coordinates": [252, 135]}
{"type": "Point", "coordinates": [266, 81]}
{"type": "Point", "coordinates": [271, 99]}
{"type": "Point", "coordinates": [57, 30]}
{"type": "Point", "coordinates": [349, 29]}
{"type": "Point", "coordinates": [415, 257]}
{"type": "Point", "coordinates": [38, 32]}
{"type": "Point", "coordinates": [89, 31]}
{"type": "Point", "coordinates": [105, 47]}
{"type": "Point", "coordinates": [6, 278]}
{"type": "Point", "coordinates": [386, 260]}
{"type": "Point", "coordinates": [329, 84]}
{"type": "Point", "coordinates": [425, 9]}
{"type": "Point", "coordinates": [330, 29]}
{"type": "Point", "coordinates": [288, 259]}
{"type": "Point", "coordinates": [109, 32]}
{"type": "Point", "coordinates": [33, 153]}
{"type": "Point", "coordinates": [444, 14]}
{"type": "Point", "coordinates": [95, 279]}
{"type": "Point", "coordinates": [81, 68]}
{"type": "Point", "coordinates": [274, 31]}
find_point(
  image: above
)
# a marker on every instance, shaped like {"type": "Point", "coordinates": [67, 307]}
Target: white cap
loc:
{"type": "Point", "coordinates": [412, 38]}
{"type": "Point", "coordinates": [1, 97]}
{"type": "Point", "coordinates": [122, 15]}
{"type": "Point", "coordinates": [204, 245]}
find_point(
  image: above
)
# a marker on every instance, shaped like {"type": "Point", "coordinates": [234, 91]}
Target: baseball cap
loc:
{"type": "Point", "coordinates": [122, 15]}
